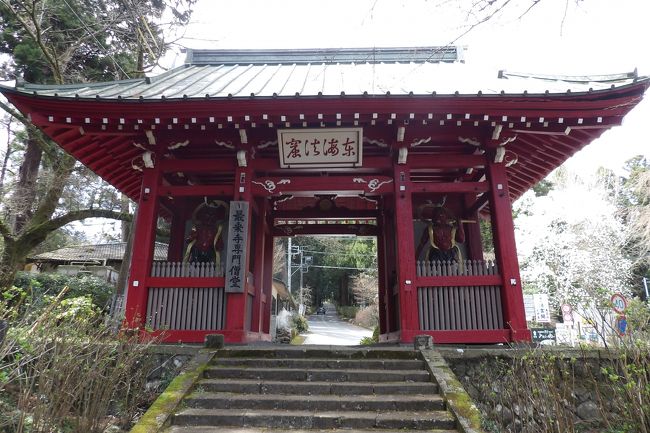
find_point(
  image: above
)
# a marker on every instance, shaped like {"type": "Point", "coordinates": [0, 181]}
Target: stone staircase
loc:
{"type": "Point", "coordinates": [250, 390]}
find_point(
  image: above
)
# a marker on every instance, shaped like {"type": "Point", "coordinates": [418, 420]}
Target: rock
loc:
{"type": "Point", "coordinates": [153, 385]}
{"type": "Point", "coordinates": [515, 426]}
{"type": "Point", "coordinates": [588, 411]}
{"type": "Point", "coordinates": [283, 336]}
{"type": "Point", "coordinates": [581, 394]}
{"type": "Point", "coordinates": [504, 414]}
{"type": "Point", "coordinates": [214, 341]}
{"type": "Point", "coordinates": [423, 342]}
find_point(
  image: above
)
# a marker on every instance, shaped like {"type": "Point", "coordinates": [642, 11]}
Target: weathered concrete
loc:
{"type": "Point", "coordinates": [458, 400]}
{"type": "Point", "coordinates": [369, 402]}
{"type": "Point", "coordinates": [190, 429]}
{"type": "Point", "coordinates": [315, 388]}
{"type": "Point", "coordinates": [316, 419]}
{"type": "Point", "coordinates": [315, 375]}
{"type": "Point", "coordinates": [370, 364]}
{"type": "Point", "coordinates": [159, 414]}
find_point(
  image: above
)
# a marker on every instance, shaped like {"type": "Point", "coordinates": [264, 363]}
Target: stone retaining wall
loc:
{"type": "Point", "coordinates": [538, 390]}
{"type": "Point", "coordinates": [167, 361]}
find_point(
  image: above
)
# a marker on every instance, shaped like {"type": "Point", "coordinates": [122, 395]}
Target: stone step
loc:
{"type": "Point", "coordinates": [329, 352]}
{"type": "Point", "coordinates": [205, 429]}
{"type": "Point", "coordinates": [322, 363]}
{"type": "Point", "coordinates": [315, 420]}
{"type": "Point", "coordinates": [253, 386]}
{"type": "Point", "coordinates": [314, 375]}
{"type": "Point", "coordinates": [330, 403]}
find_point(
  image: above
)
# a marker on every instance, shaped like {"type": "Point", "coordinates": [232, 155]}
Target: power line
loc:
{"type": "Point", "coordinates": [343, 267]}
{"type": "Point", "coordinates": [91, 34]}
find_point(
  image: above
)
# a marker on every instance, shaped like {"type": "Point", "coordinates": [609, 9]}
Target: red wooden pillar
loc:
{"type": "Point", "coordinates": [472, 230]}
{"type": "Point", "coordinates": [503, 232]}
{"type": "Point", "coordinates": [177, 230]}
{"type": "Point", "coordinates": [390, 261]}
{"type": "Point", "coordinates": [236, 303]}
{"type": "Point", "coordinates": [381, 275]}
{"type": "Point", "coordinates": [267, 280]}
{"type": "Point", "coordinates": [408, 308]}
{"type": "Point", "coordinates": [258, 271]}
{"type": "Point", "coordinates": [143, 249]}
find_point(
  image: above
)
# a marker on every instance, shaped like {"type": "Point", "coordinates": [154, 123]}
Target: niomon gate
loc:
{"type": "Point", "coordinates": [237, 147]}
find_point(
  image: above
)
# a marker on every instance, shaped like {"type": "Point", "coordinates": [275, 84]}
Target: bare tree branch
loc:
{"type": "Point", "coordinates": [58, 222]}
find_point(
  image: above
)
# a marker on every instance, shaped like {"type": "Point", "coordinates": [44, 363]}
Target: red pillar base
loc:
{"type": "Point", "coordinates": [185, 336]}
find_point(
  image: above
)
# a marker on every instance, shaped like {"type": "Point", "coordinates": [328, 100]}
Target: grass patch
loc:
{"type": "Point", "coordinates": [298, 340]}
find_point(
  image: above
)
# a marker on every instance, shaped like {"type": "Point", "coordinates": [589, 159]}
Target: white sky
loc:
{"type": "Point", "coordinates": [593, 37]}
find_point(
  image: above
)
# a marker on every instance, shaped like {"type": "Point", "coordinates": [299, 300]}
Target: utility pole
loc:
{"type": "Point", "coordinates": [301, 308]}
{"type": "Point", "coordinates": [289, 265]}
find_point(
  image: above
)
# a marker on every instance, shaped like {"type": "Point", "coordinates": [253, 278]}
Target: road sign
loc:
{"type": "Point", "coordinates": [543, 334]}
{"type": "Point", "coordinates": [621, 325]}
{"type": "Point", "coordinates": [566, 309]}
{"type": "Point", "coordinates": [619, 303]}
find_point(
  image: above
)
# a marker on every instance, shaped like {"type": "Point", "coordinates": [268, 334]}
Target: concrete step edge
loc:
{"type": "Point", "coordinates": [409, 415]}
{"type": "Point", "coordinates": [385, 362]}
{"type": "Point", "coordinates": [319, 397]}
{"type": "Point", "coordinates": [318, 370]}
{"type": "Point", "coordinates": [322, 351]}
{"type": "Point", "coordinates": [205, 429]}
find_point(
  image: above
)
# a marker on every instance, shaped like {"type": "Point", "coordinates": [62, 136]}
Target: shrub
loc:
{"type": "Point", "coordinates": [368, 317]}
{"type": "Point", "coordinates": [64, 370]}
{"type": "Point", "coordinates": [347, 311]}
{"type": "Point", "coordinates": [300, 323]}
{"type": "Point", "coordinates": [39, 285]}
{"type": "Point", "coordinates": [549, 391]}
{"type": "Point", "coordinates": [367, 341]}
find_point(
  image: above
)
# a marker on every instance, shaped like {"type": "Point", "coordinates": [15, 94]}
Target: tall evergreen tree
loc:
{"type": "Point", "coordinates": [62, 41]}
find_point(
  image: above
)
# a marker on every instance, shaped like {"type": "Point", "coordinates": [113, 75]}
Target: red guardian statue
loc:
{"type": "Point", "coordinates": [442, 235]}
{"type": "Point", "coordinates": [206, 239]}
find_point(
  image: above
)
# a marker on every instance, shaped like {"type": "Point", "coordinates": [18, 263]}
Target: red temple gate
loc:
{"type": "Point", "coordinates": [199, 148]}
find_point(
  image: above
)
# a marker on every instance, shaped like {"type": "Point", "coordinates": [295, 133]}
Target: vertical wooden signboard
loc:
{"type": "Point", "coordinates": [237, 245]}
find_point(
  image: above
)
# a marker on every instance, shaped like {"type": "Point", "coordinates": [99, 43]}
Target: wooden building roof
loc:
{"type": "Point", "coordinates": [113, 251]}
{"type": "Point", "coordinates": [448, 109]}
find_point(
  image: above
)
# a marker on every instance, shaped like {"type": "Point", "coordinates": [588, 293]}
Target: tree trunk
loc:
{"type": "Point", "coordinates": [9, 266]}
{"type": "Point", "coordinates": [125, 267]}
{"type": "Point", "coordinates": [126, 226]}
{"type": "Point", "coordinates": [25, 193]}
{"type": "Point", "coordinates": [5, 160]}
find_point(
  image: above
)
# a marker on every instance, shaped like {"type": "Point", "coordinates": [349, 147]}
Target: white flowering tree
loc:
{"type": "Point", "coordinates": [570, 242]}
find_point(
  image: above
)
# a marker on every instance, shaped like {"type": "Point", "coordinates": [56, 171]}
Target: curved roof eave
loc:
{"type": "Point", "coordinates": [645, 81]}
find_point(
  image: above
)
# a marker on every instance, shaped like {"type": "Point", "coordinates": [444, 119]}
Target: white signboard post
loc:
{"type": "Point", "coordinates": [320, 148]}
{"type": "Point", "coordinates": [529, 307]}
{"type": "Point", "coordinates": [542, 311]}
{"type": "Point", "coordinates": [236, 257]}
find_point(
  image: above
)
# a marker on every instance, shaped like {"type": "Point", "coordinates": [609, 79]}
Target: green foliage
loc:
{"type": "Point", "coordinates": [300, 323]}
{"type": "Point", "coordinates": [65, 370]}
{"type": "Point", "coordinates": [347, 311]}
{"type": "Point", "coordinates": [78, 40]}
{"type": "Point", "coordinates": [542, 390]}
{"type": "Point", "coordinates": [542, 188]}
{"type": "Point", "coordinates": [486, 235]}
{"type": "Point", "coordinates": [76, 310]}
{"type": "Point", "coordinates": [374, 339]}
{"type": "Point", "coordinates": [44, 284]}
{"type": "Point", "coordinates": [332, 281]}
